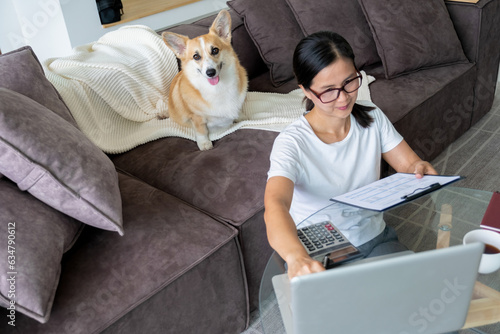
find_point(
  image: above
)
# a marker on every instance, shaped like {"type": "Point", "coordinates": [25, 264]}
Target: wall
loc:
{"type": "Point", "coordinates": [38, 23]}
{"type": "Point", "coordinates": [54, 27]}
{"type": "Point", "coordinates": [78, 14]}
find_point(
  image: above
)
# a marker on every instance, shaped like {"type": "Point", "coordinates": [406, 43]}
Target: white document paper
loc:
{"type": "Point", "coordinates": [393, 190]}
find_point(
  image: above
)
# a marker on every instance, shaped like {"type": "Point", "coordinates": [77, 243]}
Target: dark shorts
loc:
{"type": "Point", "coordinates": [385, 243]}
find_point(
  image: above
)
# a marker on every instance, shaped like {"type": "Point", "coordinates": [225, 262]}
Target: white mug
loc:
{"type": "Point", "coordinates": [489, 262]}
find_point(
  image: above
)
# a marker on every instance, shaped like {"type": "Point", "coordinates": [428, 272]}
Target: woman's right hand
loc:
{"type": "Point", "coordinates": [302, 265]}
{"type": "Point", "coordinates": [281, 229]}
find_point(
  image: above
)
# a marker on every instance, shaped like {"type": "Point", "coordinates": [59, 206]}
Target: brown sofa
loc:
{"type": "Point", "coordinates": [194, 244]}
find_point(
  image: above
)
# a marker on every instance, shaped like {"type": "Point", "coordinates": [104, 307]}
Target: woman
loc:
{"type": "Point", "coordinates": [334, 148]}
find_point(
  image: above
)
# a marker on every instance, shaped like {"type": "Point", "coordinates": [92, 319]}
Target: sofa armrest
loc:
{"type": "Point", "coordinates": [477, 27]}
{"type": "Point", "coordinates": [475, 23]}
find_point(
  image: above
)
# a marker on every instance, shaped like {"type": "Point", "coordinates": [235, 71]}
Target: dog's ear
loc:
{"type": "Point", "coordinates": [175, 42]}
{"type": "Point", "coordinates": [222, 26]}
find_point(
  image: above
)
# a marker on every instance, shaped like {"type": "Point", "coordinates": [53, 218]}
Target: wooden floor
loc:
{"type": "Point", "coordinates": [136, 9]}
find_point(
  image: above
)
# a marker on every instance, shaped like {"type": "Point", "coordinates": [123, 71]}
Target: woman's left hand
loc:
{"type": "Point", "coordinates": [422, 168]}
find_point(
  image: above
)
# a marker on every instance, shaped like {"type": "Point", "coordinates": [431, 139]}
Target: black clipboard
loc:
{"type": "Point", "coordinates": [394, 190]}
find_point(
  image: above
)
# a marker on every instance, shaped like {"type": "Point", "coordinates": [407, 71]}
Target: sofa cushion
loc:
{"type": "Point", "coordinates": [412, 34]}
{"type": "Point", "coordinates": [263, 83]}
{"type": "Point", "coordinates": [22, 72]}
{"type": "Point", "coordinates": [234, 171]}
{"type": "Point", "coordinates": [410, 102]}
{"type": "Point", "coordinates": [35, 236]}
{"type": "Point", "coordinates": [275, 32]}
{"type": "Point", "coordinates": [345, 18]}
{"type": "Point", "coordinates": [56, 163]}
{"type": "Point", "coordinates": [174, 269]}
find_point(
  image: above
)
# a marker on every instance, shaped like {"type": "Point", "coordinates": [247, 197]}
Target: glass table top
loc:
{"type": "Point", "coordinates": [417, 224]}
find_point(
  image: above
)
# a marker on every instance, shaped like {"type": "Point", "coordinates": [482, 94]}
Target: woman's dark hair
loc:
{"type": "Point", "coordinates": [317, 51]}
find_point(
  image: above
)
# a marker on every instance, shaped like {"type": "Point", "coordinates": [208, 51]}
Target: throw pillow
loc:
{"type": "Point", "coordinates": [34, 238]}
{"type": "Point", "coordinates": [343, 17]}
{"type": "Point", "coordinates": [22, 72]}
{"type": "Point", "coordinates": [56, 163]}
{"type": "Point", "coordinates": [412, 34]}
{"type": "Point", "coordinates": [274, 30]}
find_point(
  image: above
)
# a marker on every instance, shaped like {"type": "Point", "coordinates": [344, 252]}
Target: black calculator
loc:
{"type": "Point", "coordinates": [325, 243]}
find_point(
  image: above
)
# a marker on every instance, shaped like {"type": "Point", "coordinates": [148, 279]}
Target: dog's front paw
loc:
{"type": "Point", "coordinates": [162, 115]}
{"type": "Point", "coordinates": [204, 144]}
{"type": "Point", "coordinates": [201, 133]}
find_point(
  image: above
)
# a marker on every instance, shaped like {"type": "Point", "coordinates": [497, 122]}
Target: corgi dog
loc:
{"type": "Point", "coordinates": [209, 90]}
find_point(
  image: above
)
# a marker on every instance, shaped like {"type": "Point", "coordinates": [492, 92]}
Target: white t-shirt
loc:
{"type": "Point", "coordinates": [320, 171]}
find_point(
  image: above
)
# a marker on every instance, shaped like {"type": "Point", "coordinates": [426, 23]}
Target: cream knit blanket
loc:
{"type": "Point", "coordinates": [116, 86]}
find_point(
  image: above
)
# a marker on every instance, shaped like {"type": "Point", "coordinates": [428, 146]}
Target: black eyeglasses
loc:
{"type": "Point", "coordinates": [332, 94]}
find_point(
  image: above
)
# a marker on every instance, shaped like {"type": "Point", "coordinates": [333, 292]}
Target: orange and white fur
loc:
{"type": "Point", "coordinates": [210, 89]}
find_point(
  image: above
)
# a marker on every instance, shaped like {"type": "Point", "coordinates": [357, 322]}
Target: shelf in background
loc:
{"type": "Point", "coordinates": [137, 9]}
{"type": "Point", "coordinates": [469, 1]}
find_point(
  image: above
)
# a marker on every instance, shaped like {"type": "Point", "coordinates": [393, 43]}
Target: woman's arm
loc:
{"type": "Point", "coordinates": [281, 229]}
{"type": "Point", "coordinates": [403, 159]}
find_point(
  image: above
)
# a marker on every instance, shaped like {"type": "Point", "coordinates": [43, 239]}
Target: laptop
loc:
{"type": "Point", "coordinates": [425, 292]}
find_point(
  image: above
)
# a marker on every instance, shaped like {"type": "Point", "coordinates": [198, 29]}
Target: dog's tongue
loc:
{"type": "Point", "coordinates": [214, 81]}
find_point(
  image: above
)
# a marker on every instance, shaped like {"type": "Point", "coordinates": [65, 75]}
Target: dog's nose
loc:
{"type": "Point", "coordinates": [210, 72]}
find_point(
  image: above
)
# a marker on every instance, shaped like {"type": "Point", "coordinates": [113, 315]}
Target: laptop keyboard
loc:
{"type": "Point", "coordinates": [321, 238]}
